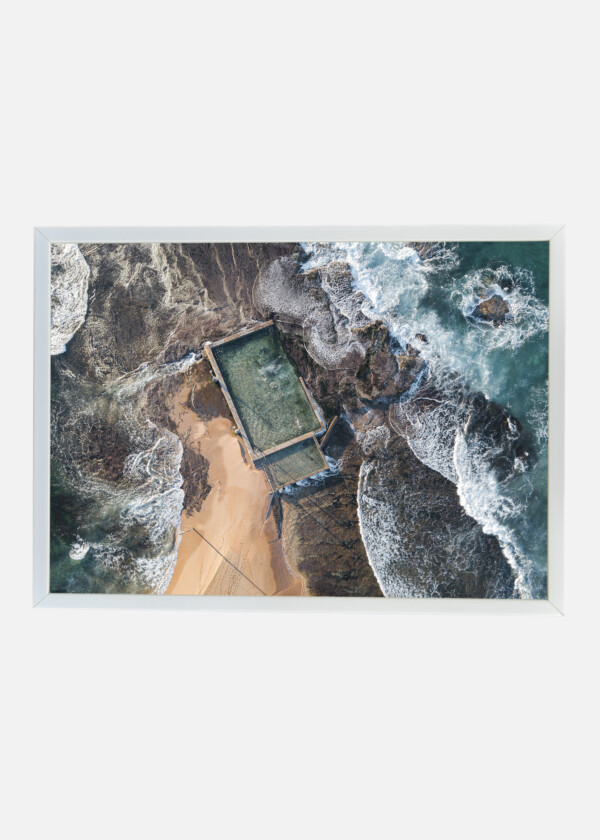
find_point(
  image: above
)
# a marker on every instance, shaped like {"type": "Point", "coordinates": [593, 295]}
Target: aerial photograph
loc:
{"type": "Point", "coordinates": [349, 419]}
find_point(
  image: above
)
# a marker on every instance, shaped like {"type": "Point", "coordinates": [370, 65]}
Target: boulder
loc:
{"type": "Point", "coordinates": [494, 310]}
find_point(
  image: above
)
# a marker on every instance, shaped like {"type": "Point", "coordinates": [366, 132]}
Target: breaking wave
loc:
{"type": "Point", "coordinates": [384, 544]}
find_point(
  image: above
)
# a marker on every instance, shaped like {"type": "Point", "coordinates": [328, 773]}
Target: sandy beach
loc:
{"type": "Point", "coordinates": [228, 546]}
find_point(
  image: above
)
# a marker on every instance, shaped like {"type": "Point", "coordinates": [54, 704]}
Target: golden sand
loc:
{"type": "Point", "coordinates": [239, 552]}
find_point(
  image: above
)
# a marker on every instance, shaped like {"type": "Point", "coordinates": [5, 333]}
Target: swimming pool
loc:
{"type": "Point", "coordinates": [270, 401]}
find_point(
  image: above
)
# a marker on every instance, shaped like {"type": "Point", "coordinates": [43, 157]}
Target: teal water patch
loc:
{"type": "Point", "coordinates": [265, 389]}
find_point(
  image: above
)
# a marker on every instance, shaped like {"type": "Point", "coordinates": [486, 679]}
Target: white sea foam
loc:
{"type": "Point", "coordinates": [79, 549]}
{"type": "Point", "coordinates": [158, 575]}
{"type": "Point", "coordinates": [538, 415]}
{"type": "Point", "coordinates": [69, 294]}
{"type": "Point", "coordinates": [483, 498]}
{"type": "Point", "coordinates": [528, 316]}
{"type": "Point", "coordinates": [155, 503]}
{"type": "Point", "coordinates": [383, 541]}
{"type": "Point", "coordinates": [374, 440]}
{"type": "Point", "coordinates": [129, 384]}
{"type": "Point", "coordinates": [158, 498]}
{"type": "Point", "coordinates": [430, 434]}
{"type": "Point", "coordinates": [150, 501]}
{"type": "Point", "coordinates": [135, 572]}
{"type": "Point", "coordinates": [327, 335]}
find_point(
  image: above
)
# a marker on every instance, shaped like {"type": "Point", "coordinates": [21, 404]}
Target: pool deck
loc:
{"type": "Point", "coordinates": [257, 456]}
{"type": "Point", "coordinates": [327, 433]}
{"type": "Point", "coordinates": [242, 333]}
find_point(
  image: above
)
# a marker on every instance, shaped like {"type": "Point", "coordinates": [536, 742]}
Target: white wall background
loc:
{"type": "Point", "coordinates": [224, 726]}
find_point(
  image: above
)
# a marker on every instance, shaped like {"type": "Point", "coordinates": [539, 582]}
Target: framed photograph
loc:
{"type": "Point", "coordinates": [359, 419]}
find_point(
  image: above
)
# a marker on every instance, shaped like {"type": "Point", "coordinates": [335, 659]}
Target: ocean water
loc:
{"type": "Point", "coordinates": [427, 297]}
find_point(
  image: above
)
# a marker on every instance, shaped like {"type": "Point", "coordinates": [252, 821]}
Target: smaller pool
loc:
{"type": "Point", "coordinates": [297, 461]}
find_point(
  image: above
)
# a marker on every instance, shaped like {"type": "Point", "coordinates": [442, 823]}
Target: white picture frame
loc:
{"type": "Point", "coordinates": [42, 597]}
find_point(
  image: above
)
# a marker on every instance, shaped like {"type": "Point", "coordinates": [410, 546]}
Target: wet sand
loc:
{"type": "Point", "coordinates": [239, 552]}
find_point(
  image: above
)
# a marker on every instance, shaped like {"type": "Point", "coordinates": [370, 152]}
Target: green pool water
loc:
{"type": "Point", "coordinates": [265, 389]}
{"type": "Point", "coordinates": [294, 462]}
